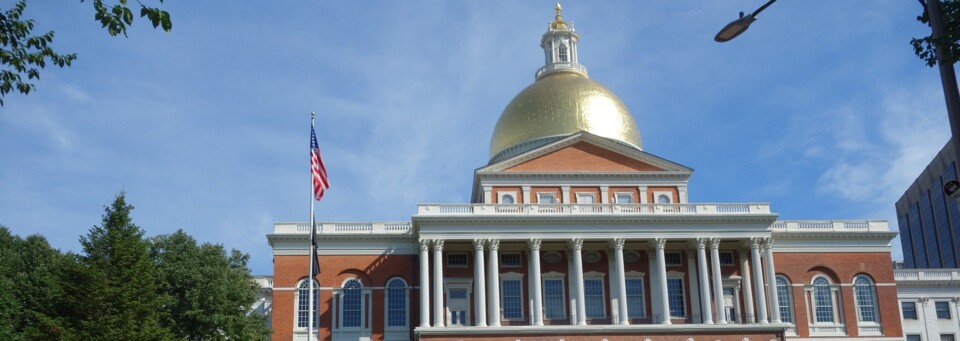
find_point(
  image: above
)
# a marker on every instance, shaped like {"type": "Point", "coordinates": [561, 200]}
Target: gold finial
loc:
{"type": "Point", "coordinates": [558, 23]}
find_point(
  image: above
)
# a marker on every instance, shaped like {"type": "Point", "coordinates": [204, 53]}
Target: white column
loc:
{"type": "Point", "coordinates": [487, 194]}
{"type": "Point", "coordinates": [526, 195]}
{"type": "Point", "coordinates": [758, 280]}
{"type": "Point", "coordinates": [576, 245]}
{"type": "Point", "coordinates": [747, 287]}
{"type": "Point", "coordinates": [480, 283]}
{"type": "Point", "coordinates": [771, 280]}
{"type": "Point", "coordinates": [424, 283]}
{"type": "Point", "coordinates": [658, 244]}
{"type": "Point", "coordinates": [617, 245]}
{"type": "Point", "coordinates": [693, 285]}
{"type": "Point", "coordinates": [537, 293]}
{"type": "Point", "coordinates": [494, 278]}
{"type": "Point", "coordinates": [438, 314]}
{"type": "Point", "coordinates": [701, 244]}
{"type": "Point", "coordinates": [714, 244]}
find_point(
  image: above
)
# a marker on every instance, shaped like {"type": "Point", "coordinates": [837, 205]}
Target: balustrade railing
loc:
{"type": "Point", "coordinates": [591, 209]}
{"type": "Point", "coordinates": [398, 227]}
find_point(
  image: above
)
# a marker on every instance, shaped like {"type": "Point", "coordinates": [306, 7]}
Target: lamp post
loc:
{"type": "Point", "coordinates": [948, 78]}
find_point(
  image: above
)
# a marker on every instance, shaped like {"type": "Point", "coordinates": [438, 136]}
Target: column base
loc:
{"type": "Point", "coordinates": [581, 323]}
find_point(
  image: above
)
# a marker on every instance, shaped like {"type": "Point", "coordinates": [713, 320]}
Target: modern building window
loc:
{"type": "Point", "coordinates": [675, 297]}
{"type": "Point", "coordinates": [303, 304]}
{"type": "Point", "coordinates": [593, 298]}
{"type": "Point", "coordinates": [510, 259]}
{"type": "Point", "coordinates": [553, 299]}
{"type": "Point", "coordinates": [947, 337]}
{"type": "Point", "coordinates": [512, 299]}
{"type": "Point", "coordinates": [824, 309]}
{"type": "Point", "coordinates": [586, 198]}
{"type": "Point", "coordinates": [546, 198]}
{"type": "Point", "coordinates": [623, 198]}
{"type": "Point", "coordinates": [866, 297]}
{"type": "Point", "coordinates": [943, 310]}
{"type": "Point", "coordinates": [635, 304]}
{"type": "Point", "coordinates": [909, 310]}
{"type": "Point", "coordinates": [352, 308]}
{"type": "Point", "coordinates": [784, 299]}
{"type": "Point", "coordinates": [726, 258]}
{"type": "Point", "coordinates": [456, 260]}
{"type": "Point", "coordinates": [396, 303]}
{"type": "Point", "coordinates": [562, 53]}
{"type": "Point", "coordinates": [673, 258]}
{"type": "Point", "coordinates": [507, 199]}
{"type": "Point", "coordinates": [914, 337]}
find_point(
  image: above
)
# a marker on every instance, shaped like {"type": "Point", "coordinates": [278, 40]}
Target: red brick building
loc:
{"type": "Point", "coordinates": [576, 233]}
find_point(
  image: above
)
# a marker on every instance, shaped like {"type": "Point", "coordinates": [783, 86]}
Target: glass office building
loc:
{"type": "Point", "coordinates": [929, 220]}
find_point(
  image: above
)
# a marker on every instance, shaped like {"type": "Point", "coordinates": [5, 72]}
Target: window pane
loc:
{"type": "Point", "coordinates": [822, 300]}
{"type": "Point", "coordinates": [635, 303]}
{"type": "Point", "coordinates": [672, 258]}
{"type": "Point", "coordinates": [512, 305]}
{"type": "Point", "coordinates": [943, 310]}
{"type": "Point", "coordinates": [396, 303]}
{"type": "Point", "coordinates": [593, 297]}
{"type": "Point", "coordinates": [946, 337]}
{"type": "Point", "coordinates": [624, 198]}
{"type": "Point", "coordinates": [352, 309]}
{"type": "Point", "coordinates": [784, 300]}
{"type": "Point", "coordinates": [511, 260]}
{"type": "Point", "coordinates": [303, 303]}
{"type": "Point", "coordinates": [553, 299]}
{"type": "Point", "coordinates": [914, 338]}
{"type": "Point", "coordinates": [506, 199]}
{"type": "Point", "coordinates": [909, 310]}
{"type": "Point", "coordinates": [866, 302]}
{"type": "Point", "coordinates": [675, 296]}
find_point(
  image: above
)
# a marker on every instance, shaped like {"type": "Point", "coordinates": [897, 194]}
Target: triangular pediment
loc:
{"type": "Point", "coordinates": [585, 152]}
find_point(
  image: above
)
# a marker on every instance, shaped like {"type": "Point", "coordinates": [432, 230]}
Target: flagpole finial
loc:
{"type": "Point", "coordinates": [313, 114]}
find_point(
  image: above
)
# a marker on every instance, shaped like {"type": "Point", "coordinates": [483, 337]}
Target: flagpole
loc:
{"type": "Point", "coordinates": [313, 231]}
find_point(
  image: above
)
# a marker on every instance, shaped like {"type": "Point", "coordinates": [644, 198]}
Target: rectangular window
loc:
{"type": "Point", "coordinates": [512, 300]}
{"type": "Point", "coordinates": [553, 299]}
{"type": "Point", "coordinates": [456, 260]}
{"type": "Point", "coordinates": [943, 310]}
{"type": "Point", "coordinates": [623, 198]}
{"type": "Point", "coordinates": [947, 337]}
{"type": "Point", "coordinates": [909, 310]}
{"type": "Point", "coordinates": [914, 338]}
{"type": "Point", "coordinates": [593, 297]}
{"type": "Point", "coordinates": [635, 304]}
{"type": "Point", "coordinates": [675, 297]}
{"type": "Point", "coordinates": [510, 259]}
{"type": "Point", "coordinates": [726, 258]}
{"type": "Point", "coordinates": [546, 198]}
{"type": "Point", "coordinates": [585, 198]}
{"type": "Point", "coordinates": [673, 258]}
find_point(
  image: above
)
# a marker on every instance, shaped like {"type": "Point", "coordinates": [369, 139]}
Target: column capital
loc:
{"type": "Point", "coordinates": [438, 245]}
{"type": "Point", "coordinates": [617, 243]}
{"type": "Point", "coordinates": [714, 243]}
{"type": "Point", "coordinates": [657, 243]}
{"type": "Point", "coordinates": [699, 243]}
{"type": "Point", "coordinates": [493, 244]}
{"type": "Point", "coordinates": [424, 244]}
{"type": "Point", "coordinates": [766, 243]}
{"type": "Point", "coordinates": [534, 243]}
{"type": "Point", "coordinates": [525, 188]}
{"type": "Point", "coordinates": [923, 300]}
{"type": "Point", "coordinates": [576, 243]}
{"type": "Point", "coordinates": [755, 243]}
{"type": "Point", "coordinates": [478, 244]}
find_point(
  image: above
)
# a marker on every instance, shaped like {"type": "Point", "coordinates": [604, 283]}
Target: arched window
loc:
{"type": "Point", "coordinates": [352, 307]}
{"type": "Point", "coordinates": [865, 293]}
{"type": "Point", "coordinates": [303, 304]}
{"type": "Point", "coordinates": [506, 199]}
{"type": "Point", "coordinates": [396, 303]}
{"type": "Point", "coordinates": [663, 199]}
{"type": "Point", "coordinates": [562, 53]}
{"type": "Point", "coordinates": [823, 301]}
{"type": "Point", "coordinates": [784, 299]}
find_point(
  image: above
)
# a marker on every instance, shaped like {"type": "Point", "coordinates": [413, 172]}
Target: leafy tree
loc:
{"type": "Point", "coordinates": [10, 309]}
{"type": "Point", "coordinates": [34, 279]}
{"type": "Point", "coordinates": [23, 54]}
{"type": "Point", "coordinates": [211, 291]}
{"type": "Point", "coordinates": [114, 291]}
{"type": "Point", "coordinates": [949, 43]}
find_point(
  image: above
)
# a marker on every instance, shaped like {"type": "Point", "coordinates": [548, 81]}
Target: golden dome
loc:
{"type": "Point", "coordinates": [561, 104]}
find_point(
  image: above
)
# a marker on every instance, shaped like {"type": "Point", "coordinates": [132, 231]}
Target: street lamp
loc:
{"type": "Point", "coordinates": [734, 28]}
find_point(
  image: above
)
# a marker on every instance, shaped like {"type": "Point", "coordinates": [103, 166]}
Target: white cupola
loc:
{"type": "Point", "coordinates": [559, 45]}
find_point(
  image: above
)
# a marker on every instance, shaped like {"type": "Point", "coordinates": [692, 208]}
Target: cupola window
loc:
{"type": "Point", "coordinates": [562, 54]}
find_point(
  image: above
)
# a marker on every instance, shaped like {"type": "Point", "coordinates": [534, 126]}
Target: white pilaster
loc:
{"type": "Point", "coordinates": [480, 283]}
{"type": "Point", "coordinates": [682, 190]}
{"type": "Point", "coordinates": [438, 314]}
{"type": "Point", "coordinates": [537, 294]}
{"type": "Point", "coordinates": [657, 244]}
{"type": "Point", "coordinates": [617, 245]}
{"type": "Point", "coordinates": [643, 194]}
{"type": "Point", "coordinates": [494, 278]}
{"type": "Point", "coordinates": [714, 244]}
{"type": "Point", "coordinates": [424, 283]}
{"type": "Point", "coordinates": [701, 245]}
{"type": "Point", "coordinates": [751, 316]}
{"type": "Point", "coordinates": [758, 280]}
{"type": "Point", "coordinates": [604, 194]}
{"type": "Point", "coordinates": [771, 280]}
{"type": "Point", "coordinates": [526, 194]}
{"type": "Point", "coordinates": [487, 194]}
{"type": "Point", "coordinates": [576, 246]}
{"type": "Point", "coordinates": [565, 195]}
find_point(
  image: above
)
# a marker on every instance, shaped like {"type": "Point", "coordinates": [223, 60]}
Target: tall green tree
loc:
{"type": "Point", "coordinates": [210, 290]}
{"type": "Point", "coordinates": [33, 278]}
{"type": "Point", "coordinates": [114, 290]}
{"type": "Point", "coordinates": [23, 52]}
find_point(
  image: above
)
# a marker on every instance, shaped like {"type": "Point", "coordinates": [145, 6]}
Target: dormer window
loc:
{"type": "Point", "coordinates": [562, 53]}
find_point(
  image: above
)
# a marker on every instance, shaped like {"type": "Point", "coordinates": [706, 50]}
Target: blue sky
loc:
{"type": "Point", "coordinates": [821, 108]}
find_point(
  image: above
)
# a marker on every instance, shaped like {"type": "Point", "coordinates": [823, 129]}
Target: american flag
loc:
{"type": "Point", "coordinates": [320, 181]}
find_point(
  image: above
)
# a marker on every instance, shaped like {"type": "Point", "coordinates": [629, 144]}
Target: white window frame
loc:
{"type": "Point", "coordinates": [631, 275]}
{"type": "Point", "coordinates": [365, 298]}
{"type": "Point", "coordinates": [618, 195]}
{"type": "Point", "coordinates": [594, 275]}
{"type": "Point", "coordinates": [679, 255]}
{"type": "Point", "coordinates": [873, 294]}
{"type": "Point", "coordinates": [835, 328]}
{"type": "Point", "coordinates": [386, 305]}
{"type": "Point", "coordinates": [657, 194]}
{"type": "Point", "coordinates": [512, 195]}
{"type": "Point", "coordinates": [542, 195]}
{"type": "Point", "coordinates": [683, 293]}
{"type": "Point", "coordinates": [512, 276]}
{"type": "Point", "coordinates": [296, 302]}
{"type": "Point", "coordinates": [592, 196]}
{"type": "Point", "coordinates": [504, 264]}
{"type": "Point", "coordinates": [466, 258]}
{"type": "Point", "coordinates": [553, 276]}
{"type": "Point", "coordinates": [788, 298]}
{"type": "Point", "coordinates": [916, 313]}
{"type": "Point", "coordinates": [937, 314]}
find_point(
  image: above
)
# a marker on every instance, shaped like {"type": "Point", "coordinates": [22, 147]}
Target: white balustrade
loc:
{"type": "Point", "coordinates": [604, 209]}
{"type": "Point", "coordinates": [399, 227]}
{"type": "Point", "coordinates": [926, 275]}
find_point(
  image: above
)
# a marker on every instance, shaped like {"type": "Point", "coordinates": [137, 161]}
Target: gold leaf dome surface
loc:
{"type": "Point", "coordinates": [559, 105]}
